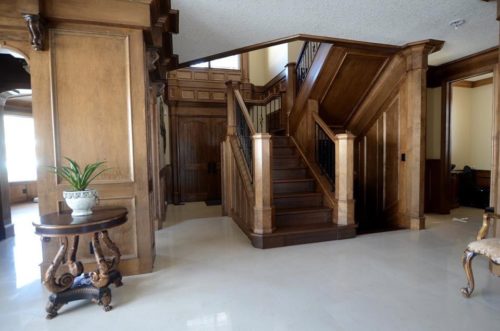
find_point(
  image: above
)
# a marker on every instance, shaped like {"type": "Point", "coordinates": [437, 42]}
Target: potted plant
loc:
{"type": "Point", "coordinates": [81, 199]}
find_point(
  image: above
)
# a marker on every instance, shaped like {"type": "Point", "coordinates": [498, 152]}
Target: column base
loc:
{"type": "Point", "coordinates": [417, 223]}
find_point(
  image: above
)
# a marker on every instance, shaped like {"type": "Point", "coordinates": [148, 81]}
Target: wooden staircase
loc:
{"type": "Point", "coordinates": [300, 214]}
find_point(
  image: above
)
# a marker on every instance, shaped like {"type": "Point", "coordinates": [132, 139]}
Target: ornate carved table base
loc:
{"type": "Point", "coordinates": [82, 289]}
{"type": "Point", "coordinates": [77, 285]}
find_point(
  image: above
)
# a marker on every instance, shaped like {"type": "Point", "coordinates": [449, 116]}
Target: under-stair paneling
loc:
{"type": "Point", "coordinates": [358, 71]}
{"type": "Point", "coordinates": [380, 170]}
{"type": "Point", "coordinates": [89, 104]}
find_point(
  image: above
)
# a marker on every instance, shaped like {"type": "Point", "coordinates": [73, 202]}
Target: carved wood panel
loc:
{"type": "Point", "coordinates": [94, 109]}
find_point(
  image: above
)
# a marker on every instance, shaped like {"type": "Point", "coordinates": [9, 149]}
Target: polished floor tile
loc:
{"type": "Point", "coordinates": [208, 277]}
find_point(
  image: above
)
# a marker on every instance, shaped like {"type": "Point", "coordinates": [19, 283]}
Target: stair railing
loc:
{"type": "Point", "coordinates": [266, 114]}
{"type": "Point", "coordinates": [324, 149]}
{"type": "Point", "coordinates": [334, 156]}
{"type": "Point", "coordinates": [305, 61]}
{"type": "Point", "coordinates": [245, 130]}
{"type": "Point", "coordinates": [246, 159]}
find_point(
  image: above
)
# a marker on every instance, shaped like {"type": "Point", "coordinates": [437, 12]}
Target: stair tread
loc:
{"type": "Point", "coordinates": [289, 166]}
{"type": "Point", "coordinates": [287, 180]}
{"type": "Point", "coordinates": [308, 228]}
{"type": "Point", "coordinates": [296, 194]}
{"type": "Point", "coordinates": [287, 156]}
{"type": "Point", "coordinates": [301, 210]}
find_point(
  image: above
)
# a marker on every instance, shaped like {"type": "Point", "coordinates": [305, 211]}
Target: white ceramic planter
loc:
{"type": "Point", "coordinates": [81, 202]}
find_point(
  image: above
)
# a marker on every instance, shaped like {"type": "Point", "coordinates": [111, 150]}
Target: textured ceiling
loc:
{"type": "Point", "coordinates": [208, 27]}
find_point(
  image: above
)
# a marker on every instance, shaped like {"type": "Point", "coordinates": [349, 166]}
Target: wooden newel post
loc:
{"type": "Point", "coordinates": [291, 91]}
{"type": "Point", "coordinates": [344, 178]}
{"type": "Point", "coordinates": [262, 181]}
{"type": "Point", "coordinates": [231, 115]}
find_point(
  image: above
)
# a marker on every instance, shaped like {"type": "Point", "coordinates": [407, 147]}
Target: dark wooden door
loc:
{"type": "Point", "coordinates": [199, 141]}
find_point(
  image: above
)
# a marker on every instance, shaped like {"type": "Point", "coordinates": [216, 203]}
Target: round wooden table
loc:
{"type": "Point", "coordinates": [75, 284]}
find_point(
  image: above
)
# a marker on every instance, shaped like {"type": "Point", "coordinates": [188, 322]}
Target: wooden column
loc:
{"type": "Point", "coordinates": [495, 191]}
{"type": "Point", "coordinates": [231, 116]}
{"type": "Point", "coordinates": [227, 178]}
{"type": "Point", "coordinates": [262, 182]}
{"type": "Point", "coordinates": [416, 59]}
{"type": "Point", "coordinates": [245, 67]}
{"type": "Point", "coordinates": [6, 227]}
{"type": "Point", "coordinates": [344, 178]}
{"type": "Point", "coordinates": [291, 91]}
{"type": "Point", "coordinates": [312, 108]}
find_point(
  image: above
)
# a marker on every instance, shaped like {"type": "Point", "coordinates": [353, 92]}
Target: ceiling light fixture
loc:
{"type": "Point", "coordinates": [457, 23]}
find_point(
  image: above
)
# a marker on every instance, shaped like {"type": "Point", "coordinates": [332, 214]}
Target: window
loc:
{"type": "Point", "coordinates": [230, 62]}
{"type": "Point", "coordinates": [20, 148]}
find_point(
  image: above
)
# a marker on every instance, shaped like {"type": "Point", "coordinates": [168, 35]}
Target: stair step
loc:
{"type": "Point", "coordinates": [302, 216]}
{"type": "Point", "coordinates": [297, 172]}
{"type": "Point", "coordinates": [281, 141]}
{"type": "Point", "coordinates": [294, 185]}
{"type": "Point", "coordinates": [284, 150]}
{"type": "Point", "coordinates": [289, 200]}
{"type": "Point", "coordinates": [289, 161]}
{"type": "Point", "coordinates": [305, 234]}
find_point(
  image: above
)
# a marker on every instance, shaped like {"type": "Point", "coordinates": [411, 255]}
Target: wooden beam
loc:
{"type": "Point", "coordinates": [471, 65]}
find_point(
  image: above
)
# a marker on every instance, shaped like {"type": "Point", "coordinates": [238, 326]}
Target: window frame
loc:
{"type": "Point", "coordinates": [209, 67]}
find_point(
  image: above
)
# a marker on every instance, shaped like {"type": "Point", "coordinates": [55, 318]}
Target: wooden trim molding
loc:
{"type": "Point", "coordinates": [390, 49]}
{"type": "Point", "coordinates": [473, 84]}
{"type": "Point", "coordinates": [471, 65]}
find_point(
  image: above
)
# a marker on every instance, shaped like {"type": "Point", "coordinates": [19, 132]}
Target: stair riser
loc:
{"type": "Point", "coordinates": [281, 142]}
{"type": "Point", "coordinates": [298, 202]}
{"type": "Point", "coordinates": [293, 187]}
{"type": "Point", "coordinates": [289, 173]}
{"type": "Point", "coordinates": [284, 151]}
{"type": "Point", "coordinates": [303, 218]}
{"type": "Point", "coordinates": [292, 162]}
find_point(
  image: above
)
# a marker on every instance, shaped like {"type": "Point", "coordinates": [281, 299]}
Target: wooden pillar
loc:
{"type": "Point", "coordinates": [291, 91]}
{"type": "Point", "coordinates": [262, 182]}
{"type": "Point", "coordinates": [495, 191]}
{"type": "Point", "coordinates": [344, 178]}
{"type": "Point", "coordinates": [227, 177]}
{"type": "Point", "coordinates": [416, 59]}
{"type": "Point", "coordinates": [231, 115]}
{"type": "Point", "coordinates": [312, 108]}
{"type": "Point", "coordinates": [6, 226]}
{"type": "Point", "coordinates": [245, 68]}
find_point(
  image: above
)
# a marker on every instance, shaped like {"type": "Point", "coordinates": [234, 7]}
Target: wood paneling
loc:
{"type": "Point", "coordinates": [380, 172]}
{"type": "Point", "coordinates": [22, 191]}
{"type": "Point", "coordinates": [72, 131]}
{"type": "Point", "coordinates": [112, 12]}
{"type": "Point", "coordinates": [475, 64]}
{"type": "Point", "coordinates": [356, 75]}
{"type": "Point", "coordinates": [96, 113]}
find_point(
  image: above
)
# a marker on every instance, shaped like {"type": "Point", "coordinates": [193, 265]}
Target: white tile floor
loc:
{"type": "Point", "coordinates": [208, 277]}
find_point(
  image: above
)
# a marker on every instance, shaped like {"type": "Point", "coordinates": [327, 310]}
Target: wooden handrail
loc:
{"type": "Point", "coordinates": [324, 126]}
{"type": "Point", "coordinates": [263, 101]}
{"type": "Point", "coordinates": [244, 110]}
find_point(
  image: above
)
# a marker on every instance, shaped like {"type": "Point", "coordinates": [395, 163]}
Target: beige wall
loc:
{"type": "Point", "coordinates": [257, 63]}
{"type": "Point", "coordinates": [266, 63]}
{"type": "Point", "coordinates": [277, 59]}
{"type": "Point", "coordinates": [294, 49]}
{"type": "Point", "coordinates": [471, 117]}
{"type": "Point", "coordinates": [433, 133]}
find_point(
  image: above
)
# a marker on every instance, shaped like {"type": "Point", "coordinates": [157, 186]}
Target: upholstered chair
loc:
{"type": "Point", "coordinates": [489, 248]}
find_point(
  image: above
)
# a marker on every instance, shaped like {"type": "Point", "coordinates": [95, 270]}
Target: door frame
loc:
{"type": "Point", "coordinates": [443, 76]}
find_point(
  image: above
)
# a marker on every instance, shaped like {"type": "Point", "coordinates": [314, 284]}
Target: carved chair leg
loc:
{"type": "Point", "coordinates": [467, 263]}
